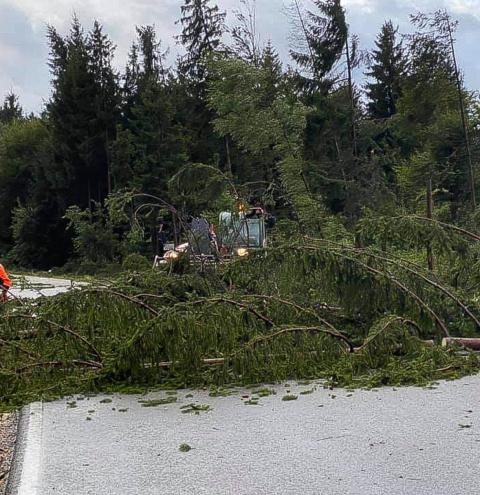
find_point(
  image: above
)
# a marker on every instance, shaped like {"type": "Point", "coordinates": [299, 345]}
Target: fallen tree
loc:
{"type": "Point", "coordinates": [312, 309]}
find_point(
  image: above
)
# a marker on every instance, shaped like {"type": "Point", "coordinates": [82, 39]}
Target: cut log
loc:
{"type": "Point", "coordinates": [469, 343]}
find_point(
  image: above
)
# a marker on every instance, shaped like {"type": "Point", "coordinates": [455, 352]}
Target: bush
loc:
{"type": "Point", "coordinates": [40, 239]}
{"type": "Point", "coordinates": [136, 262]}
{"type": "Point", "coordinates": [93, 236]}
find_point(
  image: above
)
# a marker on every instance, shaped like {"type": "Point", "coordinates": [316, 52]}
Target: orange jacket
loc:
{"type": "Point", "coordinates": [4, 278]}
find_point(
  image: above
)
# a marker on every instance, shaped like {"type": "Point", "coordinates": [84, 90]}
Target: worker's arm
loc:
{"type": "Point", "coordinates": [5, 279]}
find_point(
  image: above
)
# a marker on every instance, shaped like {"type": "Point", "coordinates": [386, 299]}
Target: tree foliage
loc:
{"type": "Point", "coordinates": [387, 71]}
{"type": "Point", "coordinates": [322, 35]}
{"type": "Point", "coordinates": [374, 254]}
{"type": "Point", "coordinates": [230, 119]}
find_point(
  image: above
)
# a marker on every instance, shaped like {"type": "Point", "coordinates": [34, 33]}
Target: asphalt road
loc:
{"type": "Point", "coordinates": [406, 441]}
{"type": "Point", "coordinates": [34, 287]}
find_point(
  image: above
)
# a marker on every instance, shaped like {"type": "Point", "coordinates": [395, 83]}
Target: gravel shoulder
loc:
{"type": "Point", "coordinates": [8, 430]}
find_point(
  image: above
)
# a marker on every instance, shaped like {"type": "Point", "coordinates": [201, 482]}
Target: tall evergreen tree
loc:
{"type": "Point", "coordinates": [202, 29]}
{"type": "Point", "coordinates": [203, 25]}
{"type": "Point", "coordinates": [11, 109]}
{"type": "Point", "coordinates": [323, 34]}
{"type": "Point", "coordinates": [387, 70]}
{"type": "Point", "coordinates": [107, 100]}
{"type": "Point", "coordinates": [259, 169]}
{"type": "Point", "coordinates": [271, 63]}
{"type": "Point", "coordinates": [150, 148]}
{"type": "Point", "coordinates": [83, 112]}
{"type": "Point", "coordinates": [429, 124]}
{"type": "Point", "coordinates": [71, 109]}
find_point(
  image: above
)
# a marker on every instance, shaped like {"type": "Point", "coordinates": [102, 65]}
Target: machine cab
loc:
{"type": "Point", "coordinates": [240, 232]}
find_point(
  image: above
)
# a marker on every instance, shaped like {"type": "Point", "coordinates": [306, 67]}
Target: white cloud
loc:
{"type": "Point", "coordinates": [119, 17]}
{"type": "Point", "coordinates": [466, 7]}
{"type": "Point", "coordinates": [8, 53]}
{"type": "Point", "coordinates": [366, 6]}
{"type": "Point", "coordinates": [118, 12]}
{"type": "Point", "coordinates": [27, 43]}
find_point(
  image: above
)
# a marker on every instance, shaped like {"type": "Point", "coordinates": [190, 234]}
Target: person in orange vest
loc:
{"type": "Point", "coordinates": [5, 283]}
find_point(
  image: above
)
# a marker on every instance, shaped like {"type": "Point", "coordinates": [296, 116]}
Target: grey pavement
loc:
{"type": "Point", "coordinates": [405, 441]}
{"type": "Point", "coordinates": [30, 287]}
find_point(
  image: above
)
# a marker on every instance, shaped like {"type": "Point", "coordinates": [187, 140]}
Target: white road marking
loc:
{"type": "Point", "coordinates": [30, 478]}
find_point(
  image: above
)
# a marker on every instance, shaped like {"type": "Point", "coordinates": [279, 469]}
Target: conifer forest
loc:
{"type": "Point", "coordinates": [364, 163]}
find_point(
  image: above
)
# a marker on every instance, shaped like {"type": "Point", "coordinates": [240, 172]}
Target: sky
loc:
{"type": "Point", "coordinates": [24, 49]}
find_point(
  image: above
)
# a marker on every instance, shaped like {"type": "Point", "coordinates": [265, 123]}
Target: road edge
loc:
{"type": "Point", "coordinates": [25, 468]}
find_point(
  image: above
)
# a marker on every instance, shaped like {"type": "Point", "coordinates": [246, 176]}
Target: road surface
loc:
{"type": "Point", "coordinates": [30, 287]}
{"type": "Point", "coordinates": [407, 441]}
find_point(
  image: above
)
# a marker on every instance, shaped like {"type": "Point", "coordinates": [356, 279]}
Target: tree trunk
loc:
{"type": "Point", "coordinates": [464, 119]}
{"type": "Point", "coordinates": [229, 159]}
{"type": "Point", "coordinates": [430, 258]}
{"type": "Point", "coordinates": [472, 343]}
{"type": "Point", "coordinates": [352, 101]}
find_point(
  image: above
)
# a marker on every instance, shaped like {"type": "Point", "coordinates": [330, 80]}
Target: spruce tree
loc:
{"type": "Point", "coordinates": [387, 70]}
{"type": "Point", "coordinates": [260, 169]}
{"type": "Point", "coordinates": [270, 62]}
{"type": "Point", "coordinates": [82, 117]}
{"type": "Point", "coordinates": [83, 112]}
{"type": "Point", "coordinates": [429, 121]}
{"type": "Point", "coordinates": [11, 109]}
{"type": "Point", "coordinates": [325, 34]}
{"type": "Point", "coordinates": [71, 110]}
{"type": "Point", "coordinates": [107, 101]}
{"type": "Point", "coordinates": [150, 145]}
{"type": "Point", "coordinates": [202, 29]}
{"type": "Point", "coordinates": [203, 25]}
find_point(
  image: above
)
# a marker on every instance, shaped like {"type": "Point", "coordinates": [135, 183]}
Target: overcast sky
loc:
{"type": "Point", "coordinates": [24, 51]}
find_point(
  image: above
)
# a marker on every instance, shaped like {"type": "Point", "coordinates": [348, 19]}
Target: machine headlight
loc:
{"type": "Point", "coordinates": [242, 252]}
{"type": "Point", "coordinates": [171, 255]}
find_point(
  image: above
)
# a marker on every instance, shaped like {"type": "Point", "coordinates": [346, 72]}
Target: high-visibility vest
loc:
{"type": "Point", "coordinates": [4, 278]}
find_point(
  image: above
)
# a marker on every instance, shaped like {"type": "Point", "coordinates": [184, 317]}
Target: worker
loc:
{"type": "Point", "coordinates": [212, 236]}
{"type": "Point", "coordinates": [5, 283]}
